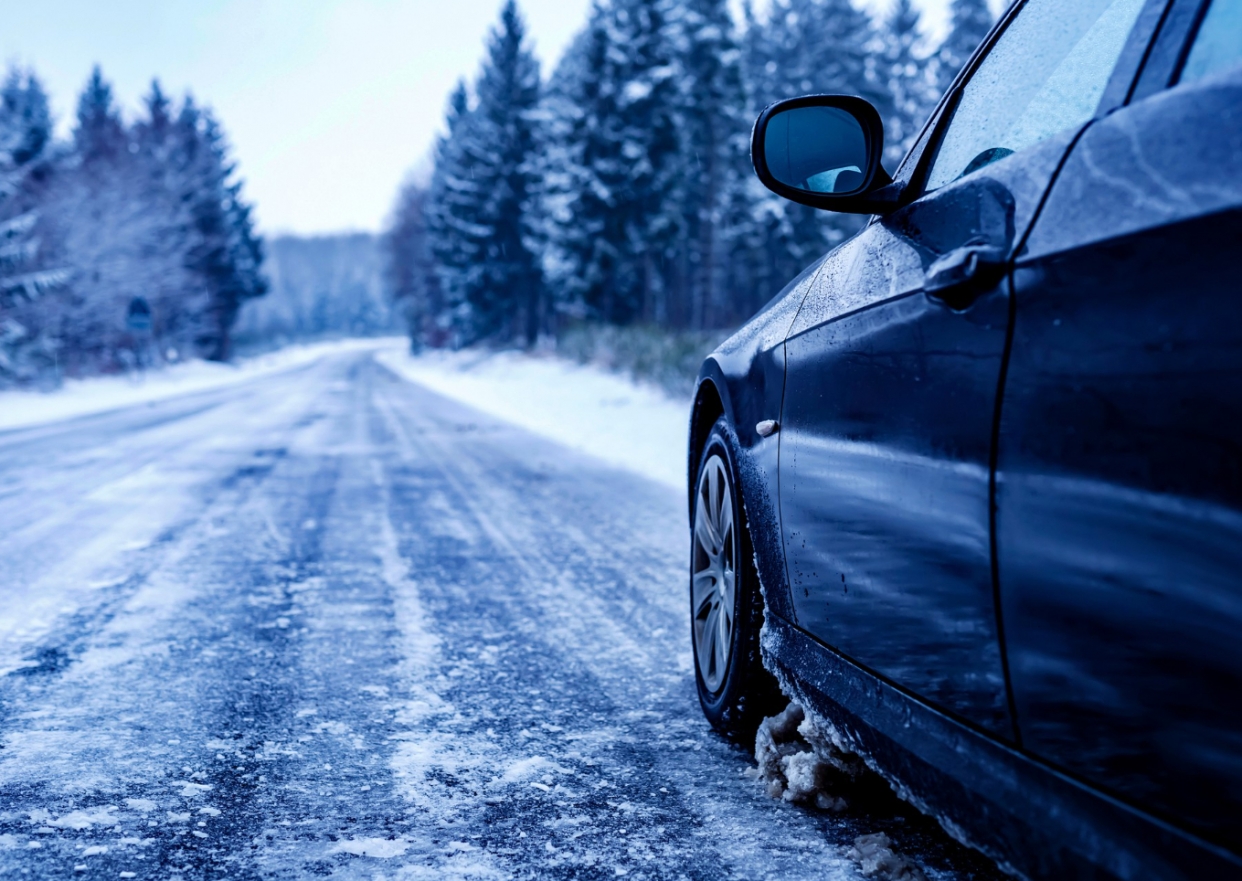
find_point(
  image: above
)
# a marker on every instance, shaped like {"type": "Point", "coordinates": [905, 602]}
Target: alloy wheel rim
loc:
{"type": "Point", "coordinates": [713, 579]}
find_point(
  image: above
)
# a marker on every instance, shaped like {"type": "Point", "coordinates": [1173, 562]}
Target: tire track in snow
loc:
{"type": "Point", "coordinates": [623, 687]}
{"type": "Point", "coordinates": [94, 499]}
{"type": "Point", "coordinates": [231, 717]}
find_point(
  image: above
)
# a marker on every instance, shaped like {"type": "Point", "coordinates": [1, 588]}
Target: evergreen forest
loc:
{"type": "Point", "coordinates": [613, 194]}
{"type": "Point", "coordinates": [618, 192]}
{"type": "Point", "coordinates": [320, 287]}
{"type": "Point", "coordinates": [125, 246]}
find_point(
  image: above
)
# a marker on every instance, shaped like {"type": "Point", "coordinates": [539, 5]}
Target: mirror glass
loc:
{"type": "Point", "coordinates": [817, 149]}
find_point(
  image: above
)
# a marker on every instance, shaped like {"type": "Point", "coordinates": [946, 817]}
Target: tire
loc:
{"type": "Point", "coordinates": [726, 605]}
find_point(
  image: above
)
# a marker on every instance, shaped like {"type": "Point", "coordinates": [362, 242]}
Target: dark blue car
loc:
{"type": "Point", "coordinates": [973, 481]}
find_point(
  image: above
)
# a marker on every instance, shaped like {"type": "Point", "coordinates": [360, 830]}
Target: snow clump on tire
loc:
{"type": "Point", "coordinates": [799, 761]}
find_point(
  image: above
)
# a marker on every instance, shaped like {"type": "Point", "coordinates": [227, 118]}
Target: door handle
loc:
{"type": "Point", "coordinates": [961, 276]}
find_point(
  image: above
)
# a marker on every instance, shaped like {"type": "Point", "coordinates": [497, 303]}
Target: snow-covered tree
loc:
{"type": "Point", "coordinates": [225, 250]}
{"type": "Point", "coordinates": [449, 205]}
{"type": "Point", "coordinates": [907, 78]}
{"type": "Point", "coordinates": [410, 269]}
{"type": "Point", "coordinates": [99, 135]}
{"type": "Point", "coordinates": [177, 296]}
{"type": "Point", "coordinates": [713, 128]}
{"type": "Point", "coordinates": [640, 70]}
{"type": "Point", "coordinates": [25, 117]}
{"type": "Point", "coordinates": [25, 277]}
{"type": "Point", "coordinates": [969, 23]}
{"type": "Point", "coordinates": [578, 165]}
{"type": "Point", "coordinates": [103, 230]}
{"type": "Point", "coordinates": [644, 207]}
{"type": "Point", "coordinates": [25, 134]}
{"type": "Point", "coordinates": [803, 47]}
{"type": "Point", "coordinates": [482, 222]}
{"type": "Point", "coordinates": [144, 246]}
{"type": "Point", "coordinates": [151, 221]}
{"type": "Point", "coordinates": [613, 217]}
{"type": "Point", "coordinates": [500, 146]}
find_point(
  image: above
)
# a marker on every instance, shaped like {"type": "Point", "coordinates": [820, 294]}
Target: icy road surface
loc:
{"type": "Point", "coordinates": [325, 622]}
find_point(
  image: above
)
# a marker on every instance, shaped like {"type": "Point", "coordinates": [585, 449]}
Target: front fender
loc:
{"type": "Point", "coordinates": [744, 380]}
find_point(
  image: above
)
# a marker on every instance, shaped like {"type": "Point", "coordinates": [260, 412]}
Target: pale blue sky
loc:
{"type": "Point", "coordinates": [329, 103]}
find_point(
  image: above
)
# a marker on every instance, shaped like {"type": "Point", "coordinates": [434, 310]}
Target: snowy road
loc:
{"type": "Point", "coordinates": [328, 623]}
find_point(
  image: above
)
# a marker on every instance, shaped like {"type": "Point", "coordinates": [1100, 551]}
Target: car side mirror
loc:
{"type": "Point", "coordinates": [824, 151]}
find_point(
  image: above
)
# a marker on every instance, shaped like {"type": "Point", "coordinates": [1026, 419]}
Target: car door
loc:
{"type": "Point", "coordinates": [893, 365]}
{"type": "Point", "coordinates": [1119, 525]}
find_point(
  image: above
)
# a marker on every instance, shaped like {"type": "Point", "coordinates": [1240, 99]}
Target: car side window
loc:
{"type": "Point", "coordinates": [1218, 45]}
{"type": "Point", "coordinates": [1045, 74]}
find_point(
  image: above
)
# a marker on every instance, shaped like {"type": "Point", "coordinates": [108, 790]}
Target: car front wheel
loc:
{"type": "Point", "coordinates": [726, 605]}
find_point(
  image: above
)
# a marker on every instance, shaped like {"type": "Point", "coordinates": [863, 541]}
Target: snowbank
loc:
{"type": "Point", "coordinates": [81, 397]}
{"type": "Point", "coordinates": [611, 417]}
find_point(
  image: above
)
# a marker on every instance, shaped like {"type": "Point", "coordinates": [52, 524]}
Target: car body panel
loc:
{"type": "Point", "coordinates": [744, 379]}
{"type": "Point", "coordinates": [1119, 524]}
{"type": "Point", "coordinates": [886, 443]}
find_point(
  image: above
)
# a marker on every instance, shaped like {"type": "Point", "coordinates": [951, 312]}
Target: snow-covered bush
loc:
{"type": "Point", "coordinates": [667, 358]}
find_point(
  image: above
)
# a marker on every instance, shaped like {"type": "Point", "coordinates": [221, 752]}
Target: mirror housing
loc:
{"type": "Point", "coordinates": [841, 137]}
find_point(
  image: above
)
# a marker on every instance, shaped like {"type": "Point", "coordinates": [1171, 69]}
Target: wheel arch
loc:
{"type": "Point", "coordinates": [709, 405]}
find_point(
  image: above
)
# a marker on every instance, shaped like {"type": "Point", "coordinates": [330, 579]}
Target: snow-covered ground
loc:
{"type": "Point", "coordinates": [611, 417]}
{"type": "Point", "coordinates": [607, 416]}
{"type": "Point", "coordinates": [82, 397]}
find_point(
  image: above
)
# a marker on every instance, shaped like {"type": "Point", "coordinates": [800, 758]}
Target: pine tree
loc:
{"type": "Point", "coordinates": [25, 133]}
{"type": "Point", "coordinates": [646, 209]}
{"type": "Point", "coordinates": [124, 222]}
{"type": "Point", "coordinates": [613, 220]}
{"type": "Point", "coordinates": [99, 135]}
{"type": "Point", "coordinates": [177, 296]}
{"type": "Point", "coordinates": [812, 46]}
{"type": "Point", "coordinates": [98, 225]}
{"type": "Point", "coordinates": [410, 268]}
{"type": "Point", "coordinates": [151, 220]}
{"type": "Point", "coordinates": [970, 21]}
{"type": "Point", "coordinates": [906, 77]}
{"type": "Point", "coordinates": [581, 169]}
{"type": "Point", "coordinates": [712, 162]}
{"type": "Point", "coordinates": [25, 119]}
{"type": "Point", "coordinates": [506, 292]}
{"type": "Point", "coordinates": [641, 69]}
{"type": "Point", "coordinates": [482, 221]}
{"type": "Point", "coordinates": [25, 277]}
{"type": "Point", "coordinates": [450, 197]}
{"type": "Point", "coordinates": [225, 251]}
{"type": "Point", "coordinates": [118, 215]}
